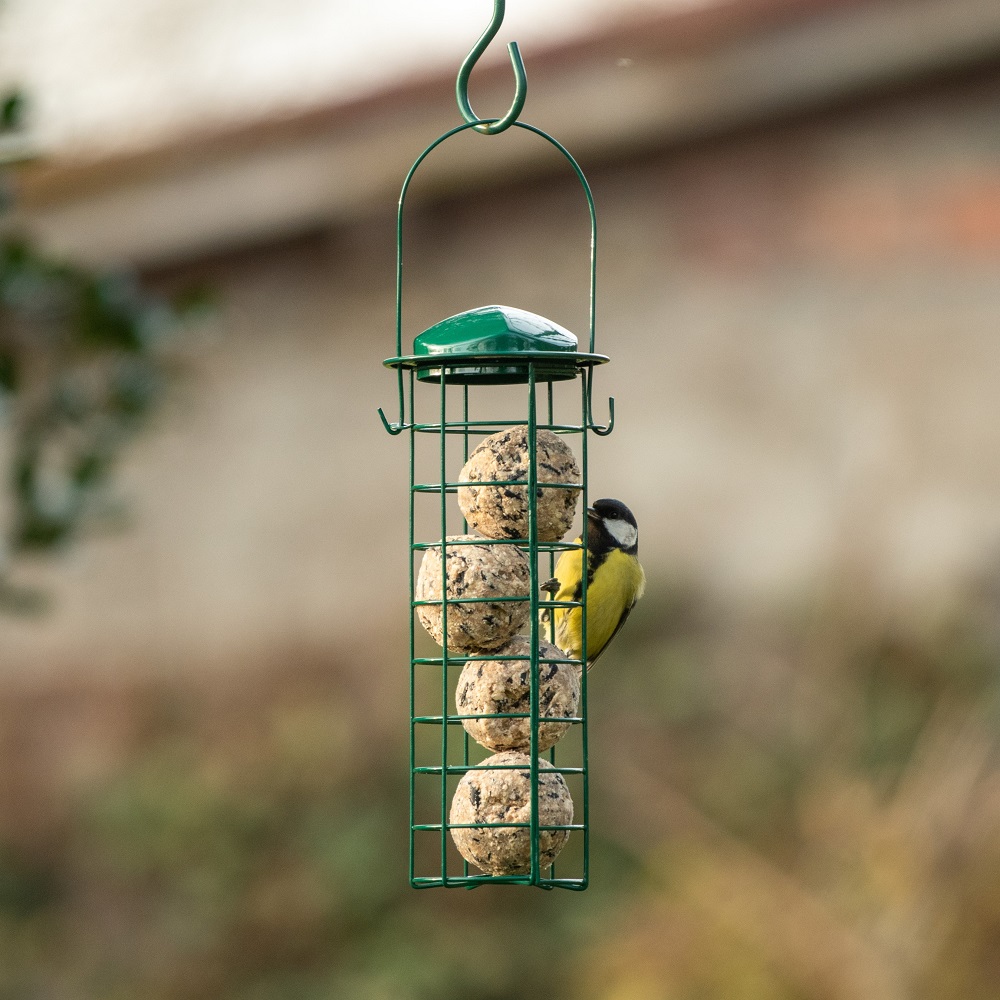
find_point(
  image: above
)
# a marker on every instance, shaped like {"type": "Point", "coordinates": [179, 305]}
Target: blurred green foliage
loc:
{"type": "Point", "coordinates": [84, 361]}
{"type": "Point", "coordinates": [11, 110]}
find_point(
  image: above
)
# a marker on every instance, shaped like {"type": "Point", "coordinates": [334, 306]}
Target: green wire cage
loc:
{"type": "Point", "coordinates": [448, 398]}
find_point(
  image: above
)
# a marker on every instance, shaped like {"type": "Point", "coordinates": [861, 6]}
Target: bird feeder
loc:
{"type": "Point", "coordinates": [479, 816]}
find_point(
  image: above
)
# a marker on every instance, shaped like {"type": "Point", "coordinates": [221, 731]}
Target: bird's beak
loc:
{"type": "Point", "coordinates": [592, 514]}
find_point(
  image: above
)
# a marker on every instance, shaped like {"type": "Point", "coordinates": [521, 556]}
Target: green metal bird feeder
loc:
{"type": "Point", "coordinates": [441, 385]}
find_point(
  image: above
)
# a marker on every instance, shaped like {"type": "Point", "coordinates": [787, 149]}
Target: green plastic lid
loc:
{"type": "Point", "coordinates": [497, 342]}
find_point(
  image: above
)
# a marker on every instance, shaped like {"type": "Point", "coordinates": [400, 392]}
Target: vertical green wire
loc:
{"type": "Point", "coordinates": [552, 555]}
{"type": "Point", "coordinates": [444, 630]}
{"type": "Point", "coordinates": [551, 574]}
{"type": "Point", "coordinates": [585, 561]}
{"type": "Point", "coordinates": [465, 529]}
{"type": "Point", "coordinates": [533, 578]}
{"type": "Point", "coordinates": [413, 679]}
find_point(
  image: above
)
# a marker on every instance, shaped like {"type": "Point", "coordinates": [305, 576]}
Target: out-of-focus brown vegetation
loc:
{"type": "Point", "coordinates": [796, 808]}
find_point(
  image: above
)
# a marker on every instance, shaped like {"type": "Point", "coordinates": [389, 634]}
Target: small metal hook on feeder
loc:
{"type": "Point", "coordinates": [590, 422]}
{"type": "Point", "coordinates": [393, 429]}
{"type": "Point", "coordinates": [520, 78]}
{"type": "Point", "coordinates": [610, 425]}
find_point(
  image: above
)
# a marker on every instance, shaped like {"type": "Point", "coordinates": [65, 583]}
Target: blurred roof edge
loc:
{"type": "Point", "coordinates": [625, 88]}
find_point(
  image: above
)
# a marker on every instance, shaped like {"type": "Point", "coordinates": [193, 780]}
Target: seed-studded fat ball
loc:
{"type": "Point", "coordinates": [504, 796]}
{"type": "Point", "coordinates": [498, 571]}
{"type": "Point", "coordinates": [502, 511]}
{"type": "Point", "coordinates": [490, 687]}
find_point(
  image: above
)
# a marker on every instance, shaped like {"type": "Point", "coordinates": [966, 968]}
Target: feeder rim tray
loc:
{"type": "Point", "coordinates": [564, 359]}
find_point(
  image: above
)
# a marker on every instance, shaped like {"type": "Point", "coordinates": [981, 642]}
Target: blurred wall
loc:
{"type": "Point", "coordinates": [801, 318]}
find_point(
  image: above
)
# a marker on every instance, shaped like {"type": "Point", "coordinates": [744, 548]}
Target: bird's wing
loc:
{"type": "Point", "coordinates": [618, 628]}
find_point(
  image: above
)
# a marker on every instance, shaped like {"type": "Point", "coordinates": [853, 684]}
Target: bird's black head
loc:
{"type": "Point", "coordinates": [611, 525]}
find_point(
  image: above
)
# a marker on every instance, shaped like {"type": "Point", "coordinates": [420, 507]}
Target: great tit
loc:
{"type": "Point", "coordinates": [615, 581]}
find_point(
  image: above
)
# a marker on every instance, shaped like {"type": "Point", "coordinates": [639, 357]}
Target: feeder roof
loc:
{"type": "Point", "coordinates": [495, 330]}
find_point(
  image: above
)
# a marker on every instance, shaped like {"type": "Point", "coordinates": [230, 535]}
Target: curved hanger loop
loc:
{"type": "Point", "coordinates": [520, 78]}
{"type": "Point", "coordinates": [590, 423]}
{"type": "Point", "coordinates": [591, 210]}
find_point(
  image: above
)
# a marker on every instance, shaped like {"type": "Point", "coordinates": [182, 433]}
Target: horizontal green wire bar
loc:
{"type": "Point", "coordinates": [519, 542]}
{"type": "Point", "coordinates": [437, 661]}
{"type": "Point", "coordinates": [472, 600]}
{"type": "Point", "coordinates": [451, 601]}
{"type": "Point", "coordinates": [494, 600]}
{"type": "Point", "coordinates": [463, 768]}
{"type": "Point", "coordinates": [460, 426]}
{"type": "Point", "coordinates": [456, 719]}
{"type": "Point", "coordinates": [472, 881]}
{"type": "Point", "coordinates": [449, 487]}
{"type": "Point", "coordinates": [458, 661]}
{"type": "Point", "coordinates": [437, 827]}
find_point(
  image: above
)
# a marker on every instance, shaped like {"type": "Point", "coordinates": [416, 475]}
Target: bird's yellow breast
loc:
{"type": "Point", "coordinates": [617, 584]}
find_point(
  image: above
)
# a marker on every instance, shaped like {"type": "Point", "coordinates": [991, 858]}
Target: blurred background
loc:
{"type": "Point", "coordinates": [795, 754]}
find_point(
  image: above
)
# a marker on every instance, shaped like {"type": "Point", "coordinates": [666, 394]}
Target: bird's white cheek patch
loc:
{"type": "Point", "coordinates": [622, 532]}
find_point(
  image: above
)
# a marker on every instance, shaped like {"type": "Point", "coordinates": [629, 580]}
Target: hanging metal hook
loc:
{"type": "Point", "coordinates": [393, 429]}
{"type": "Point", "coordinates": [520, 78]}
{"type": "Point", "coordinates": [590, 422]}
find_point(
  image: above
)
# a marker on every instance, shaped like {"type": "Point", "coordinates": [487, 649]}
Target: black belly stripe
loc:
{"type": "Point", "coordinates": [594, 560]}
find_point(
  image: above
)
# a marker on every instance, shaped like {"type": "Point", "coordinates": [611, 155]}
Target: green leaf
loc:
{"type": "Point", "coordinates": [12, 108]}
{"type": "Point", "coordinates": [8, 372]}
{"type": "Point", "coordinates": [106, 317]}
{"type": "Point", "coordinates": [91, 468]}
{"type": "Point", "coordinates": [25, 886]}
{"type": "Point", "coordinates": [41, 531]}
{"type": "Point", "coordinates": [23, 473]}
{"type": "Point", "coordinates": [195, 301]}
